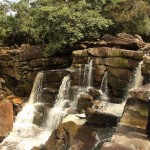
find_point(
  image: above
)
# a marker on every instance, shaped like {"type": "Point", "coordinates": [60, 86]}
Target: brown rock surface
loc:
{"type": "Point", "coordinates": [6, 118]}
{"type": "Point", "coordinates": [115, 52]}
{"type": "Point", "coordinates": [141, 93]}
{"type": "Point", "coordinates": [124, 40]}
{"type": "Point", "coordinates": [72, 136]}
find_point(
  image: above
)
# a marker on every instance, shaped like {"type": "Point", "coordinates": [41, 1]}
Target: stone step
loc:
{"type": "Point", "coordinates": [141, 93]}
{"type": "Point", "coordinates": [105, 113]}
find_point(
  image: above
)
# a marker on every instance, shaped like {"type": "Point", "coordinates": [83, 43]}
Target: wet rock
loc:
{"type": "Point", "coordinates": [116, 99]}
{"type": "Point", "coordinates": [6, 118]}
{"type": "Point", "coordinates": [117, 84]}
{"type": "Point", "coordinates": [99, 70]}
{"type": "Point", "coordinates": [124, 40]}
{"type": "Point", "coordinates": [123, 74]}
{"type": "Point", "coordinates": [49, 94]}
{"type": "Point", "coordinates": [94, 92]}
{"type": "Point", "coordinates": [120, 62]}
{"type": "Point", "coordinates": [106, 52]}
{"type": "Point", "coordinates": [141, 93]}
{"type": "Point", "coordinates": [55, 75]}
{"type": "Point", "coordinates": [114, 146]}
{"type": "Point", "coordinates": [116, 93]}
{"type": "Point", "coordinates": [72, 136]}
{"type": "Point", "coordinates": [84, 101]}
{"type": "Point", "coordinates": [99, 119]}
{"type": "Point", "coordinates": [39, 114]}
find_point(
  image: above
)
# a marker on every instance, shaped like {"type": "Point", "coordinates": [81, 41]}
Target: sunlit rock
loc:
{"type": "Point", "coordinates": [6, 118]}
{"type": "Point", "coordinates": [141, 93]}
{"type": "Point", "coordinates": [124, 40]}
{"type": "Point", "coordinates": [84, 101]}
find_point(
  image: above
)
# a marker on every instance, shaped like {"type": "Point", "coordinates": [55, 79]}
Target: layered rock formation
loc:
{"type": "Point", "coordinates": [20, 66]}
{"type": "Point", "coordinates": [110, 61]}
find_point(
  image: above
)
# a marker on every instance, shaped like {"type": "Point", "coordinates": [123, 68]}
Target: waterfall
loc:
{"type": "Point", "coordinates": [36, 92]}
{"type": "Point", "coordinates": [56, 114]}
{"type": "Point", "coordinates": [90, 75]}
{"type": "Point", "coordinates": [138, 76]}
{"type": "Point", "coordinates": [85, 75]}
{"type": "Point", "coordinates": [104, 87]}
{"type": "Point", "coordinates": [25, 134]}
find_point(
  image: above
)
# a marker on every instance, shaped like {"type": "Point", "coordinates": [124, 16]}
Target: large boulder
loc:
{"type": "Point", "coordinates": [123, 40]}
{"type": "Point", "coordinates": [99, 119]}
{"type": "Point", "coordinates": [141, 93]}
{"type": "Point", "coordinates": [123, 74]}
{"type": "Point", "coordinates": [84, 101]}
{"type": "Point", "coordinates": [72, 136]}
{"type": "Point", "coordinates": [117, 83]}
{"type": "Point", "coordinates": [6, 118]}
{"type": "Point", "coordinates": [55, 75]}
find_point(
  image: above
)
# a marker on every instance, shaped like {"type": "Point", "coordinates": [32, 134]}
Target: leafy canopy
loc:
{"type": "Point", "coordinates": [59, 24]}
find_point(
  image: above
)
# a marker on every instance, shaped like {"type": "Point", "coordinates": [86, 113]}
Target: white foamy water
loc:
{"type": "Point", "coordinates": [90, 73]}
{"type": "Point", "coordinates": [25, 134]}
{"type": "Point", "coordinates": [104, 87]}
{"type": "Point", "coordinates": [56, 114]}
{"type": "Point", "coordinates": [138, 76]}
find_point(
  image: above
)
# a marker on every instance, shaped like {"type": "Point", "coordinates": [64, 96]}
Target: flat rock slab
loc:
{"type": "Point", "coordinates": [113, 109]}
{"type": "Point", "coordinates": [141, 93]}
{"type": "Point", "coordinates": [105, 114]}
{"type": "Point", "coordinates": [135, 114]}
{"type": "Point", "coordinates": [135, 142]}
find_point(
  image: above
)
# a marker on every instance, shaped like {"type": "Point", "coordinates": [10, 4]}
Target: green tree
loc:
{"type": "Point", "coordinates": [130, 16]}
{"type": "Point", "coordinates": [62, 24]}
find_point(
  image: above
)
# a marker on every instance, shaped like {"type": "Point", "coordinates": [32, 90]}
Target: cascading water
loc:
{"type": "Point", "coordinates": [90, 74]}
{"type": "Point", "coordinates": [85, 76]}
{"type": "Point", "coordinates": [104, 87]}
{"type": "Point", "coordinates": [138, 77]}
{"type": "Point", "coordinates": [56, 114]}
{"type": "Point", "coordinates": [25, 134]}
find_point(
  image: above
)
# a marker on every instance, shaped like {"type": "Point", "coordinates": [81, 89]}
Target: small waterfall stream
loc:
{"type": "Point", "coordinates": [56, 114]}
{"type": "Point", "coordinates": [138, 76]}
{"type": "Point", "coordinates": [104, 87]}
{"type": "Point", "coordinates": [25, 134]}
{"type": "Point", "coordinates": [90, 73]}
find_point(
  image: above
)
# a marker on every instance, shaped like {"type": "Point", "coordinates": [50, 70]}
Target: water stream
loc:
{"type": "Point", "coordinates": [25, 134]}
{"type": "Point", "coordinates": [56, 114]}
{"type": "Point", "coordinates": [104, 87]}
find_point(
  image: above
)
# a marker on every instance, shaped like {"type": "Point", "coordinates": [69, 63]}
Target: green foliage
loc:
{"type": "Point", "coordinates": [130, 16]}
{"type": "Point", "coordinates": [66, 24]}
{"type": "Point", "coordinates": [59, 24]}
